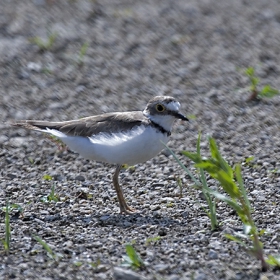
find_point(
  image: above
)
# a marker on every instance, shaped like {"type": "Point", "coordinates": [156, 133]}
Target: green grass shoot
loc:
{"type": "Point", "coordinates": [201, 184]}
{"type": "Point", "coordinates": [152, 240]}
{"type": "Point", "coordinates": [95, 264]}
{"type": "Point", "coordinates": [232, 184]}
{"type": "Point", "coordinates": [82, 53]}
{"type": "Point", "coordinates": [179, 183]}
{"type": "Point", "coordinates": [47, 177]}
{"type": "Point", "coordinates": [273, 261]}
{"type": "Point", "coordinates": [50, 253]}
{"type": "Point", "coordinates": [132, 258]}
{"type": "Point", "coordinates": [11, 207]}
{"type": "Point", "coordinates": [7, 239]}
{"type": "Point", "coordinates": [267, 91]}
{"type": "Point", "coordinates": [52, 196]}
{"type": "Point", "coordinates": [78, 263]}
{"type": "Point", "coordinates": [191, 117]}
{"type": "Point", "coordinates": [248, 160]}
{"type": "Point", "coordinates": [44, 45]}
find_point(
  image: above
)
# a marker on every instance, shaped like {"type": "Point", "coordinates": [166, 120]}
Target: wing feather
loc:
{"type": "Point", "coordinates": [110, 123]}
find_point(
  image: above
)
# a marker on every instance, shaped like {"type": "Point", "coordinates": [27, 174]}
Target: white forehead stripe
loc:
{"type": "Point", "coordinates": [173, 106]}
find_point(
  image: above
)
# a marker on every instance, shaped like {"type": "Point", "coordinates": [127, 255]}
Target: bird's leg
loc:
{"type": "Point", "coordinates": [124, 208]}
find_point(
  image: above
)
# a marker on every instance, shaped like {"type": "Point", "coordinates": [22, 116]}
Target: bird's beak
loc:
{"type": "Point", "coordinates": [181, 117]}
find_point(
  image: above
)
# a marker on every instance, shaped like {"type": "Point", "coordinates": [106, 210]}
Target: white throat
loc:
{"type": "Point", "coordinates": [165, 121]}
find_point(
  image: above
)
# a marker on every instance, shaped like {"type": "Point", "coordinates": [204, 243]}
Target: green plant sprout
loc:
{"type": "Point", "coordinates": [95, 264]}
{"type": "Point", "coordinates": [31, 160]}
{"type": "Point", "coordinates": [7, 239]}
{"type": "Point", "coordinates": [47, 70]}
{"type": "Point", "coordinates": [210, 201]}
{"type": "Point", "coordinates": [42, 44]}
{"type": "Point", "coordinates": [191, 117]}
{"type": "Point", "coordinates": [179, 183]}
{"type": "Point", "coordinates": [130, 168]}
{"type": "Point", "coordinates": [78, 263]}
{"type": "Point", "coordinates": [152, 240]}
{"type": "Point", "coordinates": [273, 171]}
{"type": "Point", "coordinates": [232, 183]}
{"type": "Point", "coordinates": [273, 261]}
{"type": "Point", "coordinates": [52, 196]}
{"type": "Point", "coordinates": [82, 53]}
{"type": "Point", "coordinates": [132, 258]}
{"type": "Point", "coordinates": [50, 253]}
{"type": "Point", "coordinates": [11, 207]}
{"type": "Point", "coordinates": [201, 184]}
{"type": "Point", "coordinates": [248, 160]}
{"type": "Point", "coordinates": [266, 91]}
{"type": "Point", "coordinates": [92, 264]}
{"type": "Point", "coordinates": [170, 205]}
{"type": "Point", "coordinates": [47, 177]}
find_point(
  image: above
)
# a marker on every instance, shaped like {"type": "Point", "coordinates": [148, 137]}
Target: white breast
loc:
{"type": "Point", "coordinates": [138, 145]}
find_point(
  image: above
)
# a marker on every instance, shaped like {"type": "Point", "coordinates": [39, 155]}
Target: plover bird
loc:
{"type": "Point", "coordinates": [117, 138]}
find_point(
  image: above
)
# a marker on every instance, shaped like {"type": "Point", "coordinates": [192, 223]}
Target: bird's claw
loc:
{"type": "Point", "coordinates": [127, 210]}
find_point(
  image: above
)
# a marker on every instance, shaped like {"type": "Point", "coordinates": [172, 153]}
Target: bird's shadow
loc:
{"type": "Point", "coordinates": [108, 219]}
{"type": "Point", "coordinates": [134, 220]}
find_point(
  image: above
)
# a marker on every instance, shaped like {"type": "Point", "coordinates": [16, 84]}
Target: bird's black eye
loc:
{"type": "Point", "coordinates": [160, 108]}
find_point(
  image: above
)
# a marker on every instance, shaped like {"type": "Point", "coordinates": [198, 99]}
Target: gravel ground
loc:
{"type": "Point", "coordinates": [193, 50]}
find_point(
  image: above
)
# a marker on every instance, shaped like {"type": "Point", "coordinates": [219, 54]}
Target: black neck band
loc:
{"type": "Point", "coordinates": [160, 128]}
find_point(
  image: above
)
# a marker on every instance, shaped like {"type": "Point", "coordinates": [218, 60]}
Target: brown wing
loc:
{"type": "Point", "coordinates": [111, 122]}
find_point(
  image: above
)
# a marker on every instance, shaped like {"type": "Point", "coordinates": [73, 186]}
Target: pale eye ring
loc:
{"type": "Point", "coordinates": [160, 108]}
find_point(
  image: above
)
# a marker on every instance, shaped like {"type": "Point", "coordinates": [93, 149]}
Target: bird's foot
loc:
{"type": "Point", "coordinates": [127, 210]}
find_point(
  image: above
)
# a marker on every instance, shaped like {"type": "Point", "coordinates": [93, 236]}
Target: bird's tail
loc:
{"type": "Point", "coordinates": [43, 126]}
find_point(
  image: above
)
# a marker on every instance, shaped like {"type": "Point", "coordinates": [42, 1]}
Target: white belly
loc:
{"type": "Point", "coordinates": [139, 145]}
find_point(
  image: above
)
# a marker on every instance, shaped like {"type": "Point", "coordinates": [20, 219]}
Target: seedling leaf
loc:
{"type": "Point", "coordinates": [95, 264]}
{"type": "Point", "coordinates": [249, 159]}
{"type": "Point", "coordinates": [268, 91]}
{"type": "Point", "coordinates": [262, 232]}
{"type": "Point", "coordinates": [236, 239]}
{"type": "Point", "coordinates": [152, 240]}
{"type": "Point", "coordinates": [7, 240]}
{"type": "Point", "coordinates": [132, 259]}
{"type": "Point", "coordinates": [42, 44]}
{"type": "Point", "coordinates": [47, 177]}
{"type": "Point", "coordinates": [254, 81]}
{"type": "Point", "coordinates": [241, 185]}
{"type": "Point", "coordinates": [273, 260]}
{"type": "Point", "coordinates": [217, 156]}
{"type": "Point", "coordinates": [191, 117]}
{"type": "Point", "coordinates": [222, 176]}
{"type": "Point", "coordinates": [250, 71]}
{"type": "Point", "coordinates": [82, 53]}
{"type": "Point", "coordinates": [47, 248]}
{"type": "Point", "coordinates": [192, 156]}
